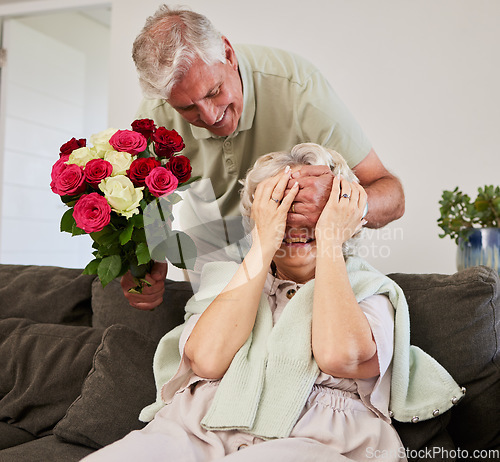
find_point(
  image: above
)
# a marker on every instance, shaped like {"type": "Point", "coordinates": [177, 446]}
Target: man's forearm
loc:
{"type": "Point", "coordinates": [386, 201]}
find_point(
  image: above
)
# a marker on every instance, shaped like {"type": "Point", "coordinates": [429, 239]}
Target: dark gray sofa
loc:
{"type": "Point", "coordinates": [76, 361]}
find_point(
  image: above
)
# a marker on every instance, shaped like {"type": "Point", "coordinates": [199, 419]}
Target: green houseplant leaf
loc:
{"type": "Point", "coordinates": [459, 215]}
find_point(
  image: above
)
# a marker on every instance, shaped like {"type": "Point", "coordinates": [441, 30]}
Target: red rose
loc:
{"type": "Point", "coordinates": [180, 166]}
{"type": "Point", "coordinates": [96, 170]}
{"type": "Point", "coordinates": [161, 181]}
{"type": "Point", "coordinates": [128, 141]}
{"type": "Point", "coordinates": [145, 127]}
{"type": "Point", "coordinates": [140, 169]}
{"type": "Point", "coordinates": [92, 212]}
{"type": "Point", "coordinates": [70, 182]}
{"type": "Point", "coordinates": [167, 142]}
{"type": "Point", "coordinates": [68, 147]}
{"type": "Point", "coordinates": [59, 167]}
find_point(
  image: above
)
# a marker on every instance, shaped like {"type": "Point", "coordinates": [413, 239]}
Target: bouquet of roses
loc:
{"type": "Point", "coordinates": [109, 186]}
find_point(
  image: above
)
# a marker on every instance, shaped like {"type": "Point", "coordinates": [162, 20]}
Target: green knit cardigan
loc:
{"type": "Point", "coordinates": [271, 376]}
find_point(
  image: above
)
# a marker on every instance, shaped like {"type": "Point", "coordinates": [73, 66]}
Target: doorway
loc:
{"type": "Point", "coordinates": [54, 86]}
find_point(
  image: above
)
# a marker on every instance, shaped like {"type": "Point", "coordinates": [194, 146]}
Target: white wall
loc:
{"type": "Point", "coordinates": [54, 87]}
{"type": "Point", "coordinates": [421, 78]}
{"type": "Point", "coordinates": [93, 40]}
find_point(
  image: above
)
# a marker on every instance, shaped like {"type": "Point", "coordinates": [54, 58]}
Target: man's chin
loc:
{"type": "Point", "coordinates": [225, 130]}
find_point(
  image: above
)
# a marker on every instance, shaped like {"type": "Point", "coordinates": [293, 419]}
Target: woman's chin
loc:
{"type": "Point", "coordinates": [296, 254]}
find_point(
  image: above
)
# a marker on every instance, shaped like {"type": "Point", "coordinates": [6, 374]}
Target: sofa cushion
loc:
{"type": "Point", "coordinates": [12, 436]}
{"type": "Point", "coordinates": [49, 448]}
{"type": "Point", "coordinates": [119, 385]}
{"type": "Point", "coordinates": [111, 307]}
{"type": "Point", "coordinates": [43, 368]}
{"type": "Point", "coordinates": [456, 319]}
{"type": "Point", "coordinates": [45, 294]}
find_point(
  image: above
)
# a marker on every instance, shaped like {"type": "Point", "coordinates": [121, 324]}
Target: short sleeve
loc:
{"type": "Point", "coordinates": [184, 376]}
{"type": "Point", "coordinates": [375, 392]}
{"type": "Point", "coordinates": [190, 323]}
{"type": "Point", "coordinates": [325, 119]}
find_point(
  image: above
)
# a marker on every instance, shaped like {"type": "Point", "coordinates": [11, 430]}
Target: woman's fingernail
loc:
{"type": "Point", "coordinates": [287, 168]}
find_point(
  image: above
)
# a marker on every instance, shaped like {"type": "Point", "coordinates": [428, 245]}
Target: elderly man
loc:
{"type": "Point", "coordinates": [233, 104]}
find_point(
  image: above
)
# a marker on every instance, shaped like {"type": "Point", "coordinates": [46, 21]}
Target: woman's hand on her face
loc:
{"type": "Point", "coordinates": [342, 216]}
{"type": "Point", "coordinates": [270, 209]}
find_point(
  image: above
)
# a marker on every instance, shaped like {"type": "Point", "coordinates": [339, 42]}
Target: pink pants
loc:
{"type": "Point", "coordinates": [334, 426]}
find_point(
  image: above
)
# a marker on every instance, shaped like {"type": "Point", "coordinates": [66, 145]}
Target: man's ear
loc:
{"type": "Point", "coordinates": [230, 53]}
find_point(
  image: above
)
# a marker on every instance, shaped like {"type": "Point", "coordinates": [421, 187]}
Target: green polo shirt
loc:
{"type": "Point", "coordinates": [286, 101]}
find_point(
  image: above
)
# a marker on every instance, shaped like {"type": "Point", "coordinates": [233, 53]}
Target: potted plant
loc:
{"type": "Point", "coordinates": [473, 225]}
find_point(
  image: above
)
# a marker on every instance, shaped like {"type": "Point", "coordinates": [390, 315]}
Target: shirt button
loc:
{"type": "Point", "coordinates": [227, 144]}
{"type": "Point", "coordinates": [290, 293]}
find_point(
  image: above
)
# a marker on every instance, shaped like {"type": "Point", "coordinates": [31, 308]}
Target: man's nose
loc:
{"type": "Point", "coordinates": [208, 112]}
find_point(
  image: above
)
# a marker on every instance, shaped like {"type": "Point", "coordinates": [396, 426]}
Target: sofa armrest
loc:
{"type": "Point", "coordinates": [456, 319]}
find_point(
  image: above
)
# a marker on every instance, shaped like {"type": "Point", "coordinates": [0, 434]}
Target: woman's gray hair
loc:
{"type": "Point", "coordinates": [302, 154]}
{"type": "Point", "coordinates": [171, 40]}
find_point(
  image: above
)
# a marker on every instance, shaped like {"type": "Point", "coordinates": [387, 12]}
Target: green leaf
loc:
{"type": "Point", "coordinates": [67, 221]}
{"type": "Point", "coordinates": [180, 250]}
{"type": "Point", "coordinates": [142, 253]}
{"type": "Point", "coordinates": [76, 231]}
{"type": "Point", "coordinates": [126, 234]}
{"type": "Point", "coordinates": [91, 268]}
{"type": "Point", "coordinates": [109, 269]}
{"type": "Point", "coordinates": [139, 235]}
{"type": "Point", "coordinates": [496, 204]}
{"type": "Point", "coordinates": [137, 221]}
{"type": "Point", "coordinates": [481, 205]}
{"type": "Point", "coordinates": [174, 198]}
{"type": "Point", "coordinates": [105, 237]}
{"type": "Point", "coordinates": [70, 201]}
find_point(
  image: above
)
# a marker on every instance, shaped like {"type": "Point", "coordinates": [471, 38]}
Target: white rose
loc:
{"type": "Point", "coordinates": [101, 140]}
{"type": "Point", "coordinates": [97, 152]}
{"type": "Point", "coordinates": [121, 195]}
{"type": "Point", "coordinates": [119, 160]}
{"type": "Point", "coordinates": [81, 156]}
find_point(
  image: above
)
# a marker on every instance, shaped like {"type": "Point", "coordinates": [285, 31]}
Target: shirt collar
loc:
{"type": "Point", "coordinates": [273, 283]}
{"type": "Point", "coordinates": [248, 114]}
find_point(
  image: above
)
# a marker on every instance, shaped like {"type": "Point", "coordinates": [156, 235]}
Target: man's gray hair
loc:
{"type": "Point", "coordinates": [171, 40]}
{"type": "Point", "coordinates": [302, 154]}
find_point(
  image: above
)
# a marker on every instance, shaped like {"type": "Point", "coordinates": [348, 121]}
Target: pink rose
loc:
{"type": "Point", "coordinates": [70, 182]}
{"type": "Point", "coordinates": [68, 147]}
{"type": "Point", "coordinates": [140, 169]}
{"type": "Point", "coordinates": [96, 170]}
{"type": "Point", "coordinates": [161, 181]}
{"type": "Point", "coordinates": [180, 166]}
{"type": "Point", "coordinates": [167, 142]}
{"type": "Point", "coordinates": [128, 141]}
{"type": "Point", "coordinates": [145, 127]}
{"type": "Point", "coordinates": [92, 212]}
{"type": "Point", "coordinates": [59, 166]}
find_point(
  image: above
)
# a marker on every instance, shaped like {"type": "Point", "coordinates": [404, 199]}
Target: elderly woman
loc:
{"type": "Point", "coordinates": [287, 356]}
